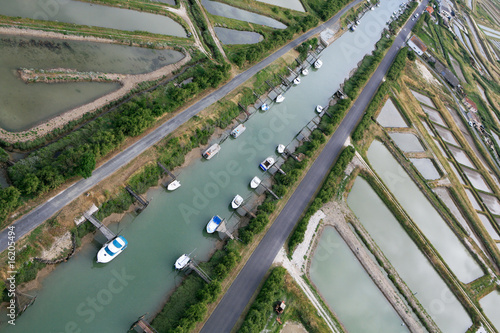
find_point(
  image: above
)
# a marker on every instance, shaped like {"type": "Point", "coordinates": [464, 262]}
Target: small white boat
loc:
{"type": "Point", "coordinates": [267, 163]}
{"type": "Point", "coordinates": [174, 185]}
{"type": "Point", "coordinates": [182, 262]}
{"type": "Point", "coordinates": [318, 63]}
{"type": "Point", "coordinates": [280, 98]}
{"type": "Point", "coordinates": [319, 108]}
{"type": "Point", "coordinates": [112, 249]}
{"type": "Point", "coordinates": [305, 71]}
{"type": "Point", "coordinates": [255, 182]}
{"type": "Point", "coordinates": [214, 223]}
{"type": "Point", "coordinates": [280, 148]}
{"type": "Point", "coordinates": [296, 81]}
{"type": "Point", "coordinates": [373, 8]}
{"type": "Point", "coordinates": [211, 151]}
{"type": "Point", "coordinates": [353, 27]}
{"type": "Point", "coordinates": [238, 130]}
{"type": "Point", "coordinates": [264, 107]}
{"type": "Point", "coordinates": [237, 201]}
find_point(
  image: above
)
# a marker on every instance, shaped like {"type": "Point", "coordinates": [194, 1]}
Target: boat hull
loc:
{"type": "Point", "coordinates": [213, 224]}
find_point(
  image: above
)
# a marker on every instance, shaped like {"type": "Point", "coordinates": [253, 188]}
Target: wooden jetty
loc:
{"type": "Point", "coordinates": [102, 228]}
{"type": "Point", "coordinates": [269, 190]}
{"type": "Point", "coordinates": [166, 170]}
{"type": "Point", "coordinates": [137, 197]}
{"type": "Point", "coordinates": [222, 229]}
{"type": "Point", "coordinates": [199, 271]}
{"type": "Point", "coordinates": [143, 325]}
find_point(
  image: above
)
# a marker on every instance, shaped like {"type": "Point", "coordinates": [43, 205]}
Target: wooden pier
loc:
{"type": "Point", "coordinates": [137, 197]}
{"type": "Point", "coordinates": [221, 229]}
{"type": "Point", "coordinates": [166, 170]}
{"type": "Point", "coordinates": [143, 325]}
{"type": "Point", "coordinates": [102, 228]}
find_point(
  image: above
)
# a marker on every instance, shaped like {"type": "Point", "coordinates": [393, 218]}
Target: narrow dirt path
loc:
{"type": "Point", "coordinates": [212, 31]}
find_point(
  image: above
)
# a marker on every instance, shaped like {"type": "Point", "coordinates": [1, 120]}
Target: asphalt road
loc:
{"type": "Point", "coordinates": [236, 298]}
{"type": "Point", "coordinates": [46, 210]}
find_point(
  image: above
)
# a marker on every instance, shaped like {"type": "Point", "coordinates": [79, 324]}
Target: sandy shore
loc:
{"type": "Point", "coordinates": [127, 81]}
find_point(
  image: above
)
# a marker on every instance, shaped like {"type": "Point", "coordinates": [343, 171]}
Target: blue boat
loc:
{"type": "Point", "coordinates": [264, 107]}
{"type": "Point", "coordinates": [213, 224]}
{"type": "Point", "coordinates": [112, 249]}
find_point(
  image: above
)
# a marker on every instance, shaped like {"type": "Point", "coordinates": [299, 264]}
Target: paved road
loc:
{"type": "Point", "coordinates": [236, 298]}
{"type": "Point", "coordinates": [44, 211]}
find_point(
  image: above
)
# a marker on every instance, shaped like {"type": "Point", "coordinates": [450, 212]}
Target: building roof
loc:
{"type": "Point", "coordinates": [429, 10]}
{"type": "Point", "coordinates": [450, 77]}
{"type": "Point", "coordinates": [471, 102]}
{"type": "Point", "coordinates": [415, 40]}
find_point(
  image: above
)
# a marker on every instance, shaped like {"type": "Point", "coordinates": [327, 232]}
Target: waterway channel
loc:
{"type": "Point", "coordinates": [423, 213]}
{"type": "Point", "coordinates": [25, 105]}
{"type": "Point", "coordinates": [348, 290]}
{"type": "Point", "coordinates": [411, 265]}
{"type": "Point", "coordinates": [84, 13]}
{"type": "Point", "coordinates": [139, 280]}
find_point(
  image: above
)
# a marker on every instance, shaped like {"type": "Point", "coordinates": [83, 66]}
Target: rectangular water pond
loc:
{"type": "Point", "coordinates": [476, 180]}
{"type": "Point", "coordinates": [389, 116]}
{"type": "Point", "coordinates": [460, 179]}
{"type": "Point", "coordinates": [434, 116]}
{"type": "Point", "coordinates": [461, 157]}
{"type": "Point", "coordinates": [348, 290]}
{"type": "Point", "coordinates": [426, 168]}
{"type": "Point", "coordinates": [422, 98]}
{"type": "Point", "coordinates": [423, 213]}
{"type": "Point", "coordinates": [487, 225]}
{"type": "Point", "coordinates": [472, 199]}
{"type": "Point", "coordinates": [490, 304]}
{"type": "Point", "coordinates": [447, 135]}
{"type": "Point", "coordinates": [407, 142]}
{"type": "Point", "coordinates": [413, 267]}
{"type": "Point", "coordinates": [491, 203]}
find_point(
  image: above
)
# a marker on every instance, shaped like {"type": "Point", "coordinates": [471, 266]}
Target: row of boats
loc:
{"type": "Point", "coordinates": [117, 245]}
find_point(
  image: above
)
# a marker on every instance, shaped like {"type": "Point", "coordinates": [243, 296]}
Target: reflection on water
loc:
{"type": "Point", "coordinates": [230, 36]}
{"type": "Point", "coordinates": [348, 290]}
{"type": "Point", "coordinates": [83, 13]}
{"type": "Point", "coordinates": [25, 105]}
{"type": "Point", "coordinates": [291, 4]}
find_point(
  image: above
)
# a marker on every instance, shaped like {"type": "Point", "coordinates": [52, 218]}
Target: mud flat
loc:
{"type": "Point", "coordinates": [476, 180]}
{"type": "Point", "coordinates": [389, 116]}
{"type": "Point", "coordinates": [422, 98]}
{"type": "Point", "coordinates": [447, 135]}
{"type": "Point", "coordinates": [407, 142]}
{"type": "Point", "coordinates": [426, 168]}
{"type": "Point", "coordinates": [434, 116]}
{"type": "Point", "coordinates": [461, 157]}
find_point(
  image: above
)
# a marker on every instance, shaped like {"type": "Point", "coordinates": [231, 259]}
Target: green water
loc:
{"type": "Point", "coordinates": [84, 13]}
{"type": "Point", "coordinates": [174, 223]}
{"type": "Point", "coordinates": [411, 265]}
{"type": "Point", "coordinates": [348, 290]}
{"type": "Point", "coordinates": [25, 105]}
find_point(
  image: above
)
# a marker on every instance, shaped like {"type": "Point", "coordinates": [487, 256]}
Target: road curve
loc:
{"type": "Point", "coordinates": [46, 210]}
{"type": "Point", "coordinates": [236, 298]}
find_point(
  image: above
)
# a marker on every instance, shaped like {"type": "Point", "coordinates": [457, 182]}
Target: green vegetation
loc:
{"type": "Point", "coordinates": [4, 157]}
{"type": "Point", "coordinates": [199, 19]}
{"type": "Point", "coordinates": [373, 107]}
{"type": "Point", "coordinates": [398, 65]}
{"type": "Point", "coordinates": [304, 48]}
{"type": "Point", "coordinates": [325, 9]}
{"type": "Point", "coordinates": [326, 193]}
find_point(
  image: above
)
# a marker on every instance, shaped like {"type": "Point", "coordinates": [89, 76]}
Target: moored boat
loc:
{"type": "Point", "coordinates": [318, 63]}
{"type": "Point", "coordinates": [305, 71]}
{"type": "Point", "coordinates": [238, 130]}
{"type": "Point", "coordinates": [280, 98]}
{"type": "Point", "coordinates": [237, 201]}
{"type": "Point", "coordinates": [319, 108]}
{"type": "Point", "coordinates": [182, 261]}
{"type": "Point", "coordinates": [211, 151]}
{"type": "Point", "coordinates": [296, 81]}
{"type": "Point", "coordinates": [267, 163]}
{"type": "Point", "coordinates": [264, 107]}
{"type": "Point", "coordinates": [280, 148]}
{"type": "Point", "coordinates": [112, 249]}
{"type": "Point", "coordinates": [213, 224]}
{"type": "Point", "coordinates": [174, 185]}
{"type": "Point", "coordinates": [255, 182]}
{"type": "Point", "coordinates": [353, 27]}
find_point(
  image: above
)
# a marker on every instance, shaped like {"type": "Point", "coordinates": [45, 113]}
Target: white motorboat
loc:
{"type": "Point", "coordinates": [318, 63]}
{"type": "Point", "coordinates": [112, 249]}
{"type": "Point", "coordinates": [357, 22]}
{"type": "Point", "coordinates": [280, 148]}
{"type": "Point", "coordinates": [264, 107]}
{"type": "Point", "coordinates": [296, 81]}
{"type": "Point", "coordinates": [319, 108]}
{"type": "Point", "coordinates": [182, 261]}
{"type": "Point", "coordinates": [373, 8]}
{"type": "Point", "coordinates": [255, 182]}
{"type": "Point", "coordinates": [237, 201]}
{"type": "Point", "coordinates": [211, 151]}
{"type": "Point", "coordinates": [267, 163]}
{"type": "Point", "coordinates": [174, 185]}
{"type": "Point", "coordinates": [280, 98]}
{"type": "Point", "coordinates": [213, 224]}
{"type": "Point", "coordinates": [353, 27]}
{"type": "Point", "coordinates": [305, 71]}
{"type": "Point", "coordinates": [238, 130]}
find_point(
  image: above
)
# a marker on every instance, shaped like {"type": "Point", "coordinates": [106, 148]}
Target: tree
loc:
{"type": "Point", "coordinates": [4, 157]}
{"type": "Point", "coordinates": [29, 184]}
{"type": "Point", "coordinates": [86, 165]}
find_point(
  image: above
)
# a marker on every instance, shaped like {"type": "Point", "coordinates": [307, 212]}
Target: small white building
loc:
{"type": "Point", "coordinates": [417, 45]}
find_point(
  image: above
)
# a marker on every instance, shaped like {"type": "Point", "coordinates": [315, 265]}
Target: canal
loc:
{"type": "Point", "coordinates": [108, 298]}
